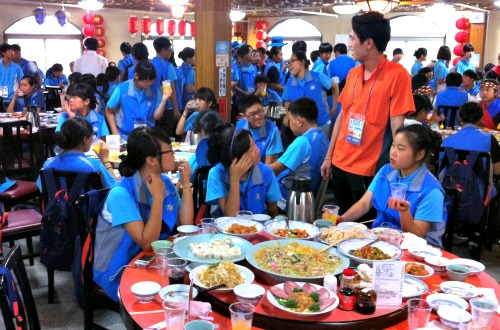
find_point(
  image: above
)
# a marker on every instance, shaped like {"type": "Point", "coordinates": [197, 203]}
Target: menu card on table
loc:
{"type": "Point", "coordinates": [113, 142]}
{"type": "Point", "coordinates": [388, 279]}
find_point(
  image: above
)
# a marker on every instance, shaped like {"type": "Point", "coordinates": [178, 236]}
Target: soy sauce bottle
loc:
{"type": "Point", "coordinates": [366, 301]}
{"type": "Point", "coordinates": [347, 296]}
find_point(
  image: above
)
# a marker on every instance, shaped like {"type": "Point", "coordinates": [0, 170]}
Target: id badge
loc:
{"type": "Point", "coordinates": [355, 128]}
{"type": "Point", "coordinates": [139, 123]}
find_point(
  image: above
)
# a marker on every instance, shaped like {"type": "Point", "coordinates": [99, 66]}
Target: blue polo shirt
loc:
{"type": "Point", "coordinates": [127, 61]}
{"type": "Point", "coordinates": [267, 138]}
{"type": "Point", "coordinates": [10, 77]}
{"type": "Point", "coordinates": [28, 67]}
{"type": "Point", "coordinates": [440, 72]}
{"type": "Point", "coordinates": [188, 124]}
{"type": "Point", "coordinates": [164, 71]}
{"type": "Point", "coordinates": [464, 65]}
{"type": "Point", "coordinates": [53, 81]}
{"type": "Point", "coordinates": [189, 79]}
{"type": "Point", "coordinates": [451, 96]}
{"type": "Point", "coordinates": [320, 66]}
{"type": "Point", "coordinates": [36, 98]}
{"type": "Point", "coordinates": [340, 66]}
{"type": "Point", "coordinates": [95, 119]}
{"type": "Point", "coordinates": [271, 96]}
{"type": "Point", "coordinates": [416, 67]}
{"type": "Point", "coordinates": [247, 74]}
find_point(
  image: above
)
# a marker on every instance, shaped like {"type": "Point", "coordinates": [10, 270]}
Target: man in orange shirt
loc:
{"type": "Point", "coordinates": [376, 97]}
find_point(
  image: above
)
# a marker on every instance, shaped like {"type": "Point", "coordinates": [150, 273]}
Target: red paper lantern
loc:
{"type": "Point", "coordinates": [98, 20]}
{"type": "Point", "coordinates": [133, 25]}
{"type": "Point", "coordinates": [160, 26]}
{"type": "Point", "coordinates": [456, 60]}
{"type": "Point", "coordinates": [101, 52]}
{"type": "Point", "coordinates": [260, 43]}
{"type": "Point", "coordinates": [462, 37]}
{"type": "Point", "coordinates": [146, 25]}
{"type": "Point", "coordinates": [193, 29]}
{"type": "Point", "coordinates": [261, 35]}
{"type": "Point", "coordinates": [458, 50]}
{"type": "Point", "coordinates": [99, 31]}
{"type": "Point", "coordinates": [261, 25]}
{"type": "Point", "coordinates": [88, 18]}
{"type": "Point", "coordinates": [462, 23]}
{"type": "Point", "coordinates": [88, 31]}
{"type": "Point", "coordinates": [182, 27]}
{"type": "Point", "coordinates": [171, 27]}
{"type": "Point", "coordinates": [101, 42]}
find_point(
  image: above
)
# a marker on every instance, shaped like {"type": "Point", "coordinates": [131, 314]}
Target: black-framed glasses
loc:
{"type": "Point", "coordinates": [261, 112]}
{"type": "Point", "coordinates": [166, 152]}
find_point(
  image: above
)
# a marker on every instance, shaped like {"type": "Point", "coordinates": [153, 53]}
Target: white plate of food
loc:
{"type": "Point", "coordinates": [413, 287]}
{"type": "Point", "coordinates": [356, 250]}
{"type": "Point", "coordinates": [437, 300]}
{"type": "Point", "coordinates": [474, 266]}
{"type": "Point", "coordinates": [296, 230]}
{"type": "Point", "coordinates": [282, 296]}
{"type": "Point", "coordinates": [207, 276]}
{"type": "Point", "coordinates": [418, 270]}
{"type": "Point", "coordinates": [352, 225]}
{"type": "Point", "coordinates": [176, 292]}
{"type": "Point", "coordinates": [246, 229]}
{"type": "Point", "coordinates": [461, 289]}
{"type": "Point", "coordinates": [337, 234]}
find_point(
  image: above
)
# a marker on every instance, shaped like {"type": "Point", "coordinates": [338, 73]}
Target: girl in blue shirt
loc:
{"type": "Point", "coordinates": [420, 56]}
{"type": "Point", "coordinates": [239, 181]}
{"type": "Point", "coordinates": [423, 210]}
{"type": "Point", "coordinates": [25, 95]}
{"type": "Point", "coordinates": [204, 100]}
{"type": "Point", "coordinates": [143, 207]}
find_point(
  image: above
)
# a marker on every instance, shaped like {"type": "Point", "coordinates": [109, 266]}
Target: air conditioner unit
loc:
{"type": "Point", "coordinates": [476, 18]}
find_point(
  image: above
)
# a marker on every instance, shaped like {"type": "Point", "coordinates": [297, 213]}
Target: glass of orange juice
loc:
{"type": "Point", "coordinates": [166, 84]}
{"type": "Point", "coordinates": [331, 212]}
{"type": "Point", "coordinates": [241, 315]}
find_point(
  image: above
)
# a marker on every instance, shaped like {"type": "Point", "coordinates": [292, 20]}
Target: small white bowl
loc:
{"type": "Point", "coordinates": [457, 272]}
{"type": "Point", "coordinates": [261, 217]}
{"type": "Point", "coordinates": [420, 252]}
{"type": "Point", "coordinates": [452, 316]}
{"type": "Point", "coordinates": [188, 230]}
{"type": "Point", "coordinates": [145, 291]}
{"type": "Point", "coordinates": [437, 263]}
{"type": "Point", "coordinates": [351, 225]}
{"type": "Point", "coordinates": [249, 293]}
{"type": "Point", "coordinates": [474, 266]}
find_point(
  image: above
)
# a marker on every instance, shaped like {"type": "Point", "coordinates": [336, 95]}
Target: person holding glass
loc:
{"type": "Point", "coordinates": [422, 209]}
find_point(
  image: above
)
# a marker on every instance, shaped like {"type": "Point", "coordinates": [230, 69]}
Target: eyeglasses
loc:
{"type": "Point", "coordinates": [257, 113]}
{"type": "Point", "coordinates": [166, 152]}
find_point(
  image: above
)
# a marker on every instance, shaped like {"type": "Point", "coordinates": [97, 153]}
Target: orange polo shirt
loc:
{"type": "Point", "coordinates": [385, 95]}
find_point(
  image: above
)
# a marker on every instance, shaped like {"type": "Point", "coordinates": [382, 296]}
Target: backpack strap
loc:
{"type": "Point", "coordinates": [3, 222]}
{"type": "Point", "coordinates": [472, 157]}
{"type": "Point", "coordinates": [451, 155]}
{"type": "Point", "coordinates": [78, 186]}
{"type": "Point", "coordinates": [13, 296]}
{"type": "Point", "coordinates": [50, 182]}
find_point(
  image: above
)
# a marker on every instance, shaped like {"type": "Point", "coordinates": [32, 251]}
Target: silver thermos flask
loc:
{"type": "Point", "coordinates": [32, 115]}
{"type": "Point", "coordinates": [301, 200]}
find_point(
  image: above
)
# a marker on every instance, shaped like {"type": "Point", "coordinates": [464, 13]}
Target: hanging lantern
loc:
{"type": "Point", "coordinates": [261, 43]}
{"type": "Point", "coordinates": [171, 28]}
{"type": "Point", "coordinates": [62, 16]}
{"type": "Point", "coordinates": [101, 52]}
{"type": "Point", "coordinates": [458, 50]}
{"type": "Point", "coordinates": [456, 60]}
{"type": "Point", "coordinates": [98, 20]}
{"type": "Point", "coordinates": [462, 23]}
{"type": "Point", "coordinates": [182, 28]}
{"type": "Point", "coordinates": [193, 29]}
{"type": "Point", "coordinates": [160, 26]}
{"type": "Point", "coordinates": [40, 13]}
{"type": "Point", "coordinates": [462, 37]}
{"type": "Point", "coordinates": [261, 25]}
{"type": "Point", "coordinates": [261, 35]}
{"type": "Point", "coordinates": [89, 31]}
{"type": "Point", "coordinates": [88, 18]}
{"type": "Point", "coordinates": [99, 31]}
{"type": "Point", "coordinates": [146, 26]}
{"type": "Point", "coordinates": [133, 25]}
{"type": "Point", "coordinates": [101, 42]}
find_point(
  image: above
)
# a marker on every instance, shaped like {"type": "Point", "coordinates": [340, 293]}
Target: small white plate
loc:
{"type": "Point", "coordinates": [461, 289]}
{"type": "Point", "coordinates": [261, 217]}
{"type": "Point", "coordinates": [223, 226]}
{"type": "Point", "coordinates": [437, 300]}
{"type": "Point", "coordinates": [474, 266]}
{"type": "Point", "coordinates": [420, 252]}
{"type": "Point", "coordinates": [246, 273]}
{"type": "Point", "coordinates": [413, 287]}
{"type": "Point", "coordinates": [427, 268]}
{"type": "Point", "coordinates": [351, 225]}
{"type": "Point", "coordinates": [176, 292]}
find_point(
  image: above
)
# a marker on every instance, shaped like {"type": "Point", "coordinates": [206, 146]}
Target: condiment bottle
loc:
{"type": "Point", "coordinates": [366, 301]}
{"type": "Point", "coordinates": [330, 282]}
{"type": "Point", "coordinates": [347, 296]}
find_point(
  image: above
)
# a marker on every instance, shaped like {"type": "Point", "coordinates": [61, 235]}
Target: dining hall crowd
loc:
{"type": "Point", "coordinates": [361, 122]}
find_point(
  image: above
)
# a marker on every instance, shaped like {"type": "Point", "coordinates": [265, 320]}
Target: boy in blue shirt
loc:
{"type": "Point", "coordinates": [306, 153]}
{"type": "Point", "coordinates": [56, 77]}
{"type": "Point", "coordinates": [266, 95]}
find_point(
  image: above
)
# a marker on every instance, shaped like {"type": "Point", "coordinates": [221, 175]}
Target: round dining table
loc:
{"type": "Point", "coordinates": [148, 316]}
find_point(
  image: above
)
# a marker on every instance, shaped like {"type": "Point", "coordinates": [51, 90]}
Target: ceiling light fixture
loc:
{"type": "Point", "coordinates": [382, 6]}
{"type": "Point", "coordinates": [236, 15]}
{"type": "Point", "coordinates": [175, 2]}
{"type": "Point", "coordinates": [90, 5]}
{"type": "Point", "coordinates": [345, 7]}
{"type": "Point", "coordinates": [497, 3]}
{"type": "Point", "coordinates": [177, 11]}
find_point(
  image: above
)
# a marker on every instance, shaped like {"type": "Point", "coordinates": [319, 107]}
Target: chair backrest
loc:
{"type": "Point", "coordinates": [52, 97]}
{"type": "Point", "coordinates": [454, 195]}
{"type": "Point", "coordinates": [27, 308]}
{"type": "Point", "coordinates": [451, 114]}
{"type": "Point", "coordinates": [16, 134]}
{"type": "Point", "coordinates": [199, 187]}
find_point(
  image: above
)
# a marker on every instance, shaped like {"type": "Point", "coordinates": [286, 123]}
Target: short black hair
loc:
{"type": "Point", "coordinates": [470, 73]}
{"type": "Point", "coordinates": [207, 121]}
{"type": "Point", "coordinates": [90, 79]}
{"type": "Point", "coordinates": [419, 52]}
{"type": "Point", "coordinates": [83, 91]}
{"type": "Point", "coordinates": [207, 94]}
{"type": "Point", "coordinates": [226, 144]}
{"type": "Point", "coordinates": [74, 77]}
{"type": "Point", "coordinates": [161, 43]}
{"type": "Point", "coordinates": [467, 48]}
{"type": "Point", "coordinates": [444, 53]}
{"type": "Point", "coordinates": [301, 56]}
{"type": "Point", "coordinates": [248, 102]}
{"type": "Point", "coordinates": [299, 46]}
{"type": "Point", "coordinates": [340, 48]}
{"type": "Point", "coordinates": [91, 44]}
{"type": "Point", "coordinates": [419, 80]}
{"type": "Point", "coordinates": [145, 70]}
{"type": "Point", "coordinates": [125, 48]}
{"type": "Point", "coordinates": [140, 51]}
{"type": "Point", "coordinates": [397, 51]}
{"type": "Point", "coordinates": [31, 80]}
{"type": "Point", "coordinates": [372, 25]}
{"type": "Point", "coordinates": [453, 79]}
{"type": "Point", "coordinates": [57, 67]}
{"type": "Point", "coordinates": [314, 55]}
{"type": "Point", "coordinates": [112, 72]}
{"type": "Point", "coordinates": [244, 50]}
{"type": "Point", "coordinates": [186, 53]}
{"type": "Point", "coordinates": [422, 103]}
{"type": "Point", "coordinates": [306, 108]}
{"type": "Point", "coordinates": [261, 78]}
{"type": "Point", "coordinates": [275, 50]}
{"type": "Point", "coordinates": [73, 132]}
{"type": "Point", "coordinates": [470, 113]}
{"type": "Point", "coordinates": [16, 48]}
{"type": "Point", "coordinates": [5, 47]}
{"type": "Point", "coordinates": [325, 47]}
{"type": "Point", "coordinates": [488, 67]}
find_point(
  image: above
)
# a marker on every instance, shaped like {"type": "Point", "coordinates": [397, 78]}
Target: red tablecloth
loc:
{"type": "Point", "coordinates": [133, 275]}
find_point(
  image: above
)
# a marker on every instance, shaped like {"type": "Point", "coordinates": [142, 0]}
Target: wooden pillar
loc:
{"type": "Point", "coordinates": [213, 34]}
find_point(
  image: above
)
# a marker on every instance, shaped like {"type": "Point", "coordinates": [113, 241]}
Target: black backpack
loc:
{"type": "Point", "coordinates": [461, 176]}
{"type": "Point", "coordinates": [60, 222]}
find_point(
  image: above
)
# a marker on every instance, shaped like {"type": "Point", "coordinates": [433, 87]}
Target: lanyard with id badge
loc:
{"type": "Point", "coordinates": [357, 120]}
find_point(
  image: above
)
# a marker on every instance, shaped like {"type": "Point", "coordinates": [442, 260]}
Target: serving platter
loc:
{"type": "Point", "coordinates": [246, 273]}
{"type": "Point", "coordinates": [223, 226]}
{"type": "Point", "coordinates": [367, 233]}
{"type": "Point", "coordinates": [355, 243]}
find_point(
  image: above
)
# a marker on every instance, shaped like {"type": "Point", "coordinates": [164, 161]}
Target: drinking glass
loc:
{"type": "Point", "coordinates": [176, 268]}
{"type": "Point", "coordinates": [162, 255]}
{"type": "Point", "coordinates": [166, 84]}
{"type": "Point", "coordinates": [175, 312]}
{"type": "Point", "coordinates": [483, 310]}
{"type": "Point", "coordinates": [419, 312]}
{"type": "Point", "coordinates": [208, 225]}
{"type": "Point", "coordinates": [330, 212]}
{"type": "Point", "coordinates": [241, 315]}
{"type": "Point", "coordinates": [398, 190]}
{"type": "Point", "coordinates": [244, 215]}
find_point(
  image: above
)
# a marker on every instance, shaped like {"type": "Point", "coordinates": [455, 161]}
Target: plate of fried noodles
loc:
{"type": "Point", "coordinates": [356, 250]}
{"type": "Point", "coordinates": [207, 276]}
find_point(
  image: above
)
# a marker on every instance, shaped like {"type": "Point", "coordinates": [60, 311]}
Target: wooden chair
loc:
{"type": "Point", "coordinates": [15, 137]}
{"type": "Point", "coordinates": [52, 97]}
{"type": "Point", "coordinates": [199, 191]}
{"type": "Point", "coordinates": [27, 307]}
{"type": "Point", "coordinates": [450, 112]}
{"type": "Point", "coordinates": [65, 179]}
{"type": "Point", "coordinates": [454, 195]}
{"type": "Point", "coordinates": [94, 297]}
{"type": "Point", "coordinates": [21, 192]}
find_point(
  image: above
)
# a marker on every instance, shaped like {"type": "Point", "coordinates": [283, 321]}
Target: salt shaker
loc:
{"type": "Point", "coordinates": [330, 282]}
